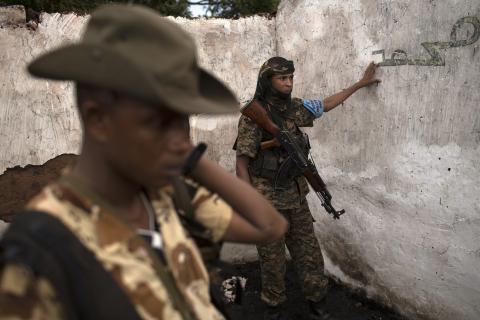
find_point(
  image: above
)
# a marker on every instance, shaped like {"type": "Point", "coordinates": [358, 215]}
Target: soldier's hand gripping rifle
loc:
{"type": "Point", "coordinates": [283, 138]}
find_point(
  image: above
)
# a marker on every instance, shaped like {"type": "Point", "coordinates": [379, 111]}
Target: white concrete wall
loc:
{"type": "Point", "coordinates": [37, 117]}
{"type": "Point", "coordinates": [233, 50]}
{"type": "Point", "coordinates": [401, 158]}
{"type": "Point", "coordinates": [411, 233]}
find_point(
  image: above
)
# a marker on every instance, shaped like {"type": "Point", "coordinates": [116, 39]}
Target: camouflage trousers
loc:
{"type": "Point", "coordinates": [306, 257]}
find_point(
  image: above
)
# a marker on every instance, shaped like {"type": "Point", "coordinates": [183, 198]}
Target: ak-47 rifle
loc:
{"type": "Point", "coordinates": [283, 138]}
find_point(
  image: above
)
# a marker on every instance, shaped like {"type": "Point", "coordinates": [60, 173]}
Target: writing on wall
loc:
{"type": "Point", "coordinates": [400, 57]}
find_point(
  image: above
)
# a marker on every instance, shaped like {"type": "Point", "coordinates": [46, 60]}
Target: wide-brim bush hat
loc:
{"type": "Point", "coordinates": [133, 50]}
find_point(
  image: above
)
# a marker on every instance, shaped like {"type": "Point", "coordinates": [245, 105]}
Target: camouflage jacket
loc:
{"type": "Point", "coordinates": [29, 284]}
{"type": "Point", "coordinates": [248, 144]}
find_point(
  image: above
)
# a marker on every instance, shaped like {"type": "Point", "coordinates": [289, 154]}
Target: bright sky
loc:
{"type": "Point", "coordinates": [197, 10]}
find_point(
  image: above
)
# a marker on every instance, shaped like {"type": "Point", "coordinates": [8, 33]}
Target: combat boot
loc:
{"type": "Point", "coordinates": [273, 313]}
{"type": "Point", "coordinates": [318, 311]}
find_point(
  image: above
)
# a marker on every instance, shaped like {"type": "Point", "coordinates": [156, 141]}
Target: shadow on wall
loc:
{"type": "Point", "coordinates": [18, 185]}
{"type": "Point", "coordinates": [346, 255]}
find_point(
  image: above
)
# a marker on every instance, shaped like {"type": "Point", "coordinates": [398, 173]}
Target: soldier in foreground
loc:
{"type": "Point", "coordinates": [264, 165]}
{"type": "Point", "coordinates": [106, 241]}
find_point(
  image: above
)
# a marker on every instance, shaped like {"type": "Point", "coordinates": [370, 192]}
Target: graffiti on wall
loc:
{"type": "Point", "coordinates": [400, 57]}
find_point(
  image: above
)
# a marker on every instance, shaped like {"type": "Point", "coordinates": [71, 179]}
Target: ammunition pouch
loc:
{"type": "Point", "coordinates": [275, 165]}
{"type": "Point", "coordinates": [266, 164]}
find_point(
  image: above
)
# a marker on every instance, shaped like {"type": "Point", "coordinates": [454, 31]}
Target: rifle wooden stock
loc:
{"type": "Point", "coordinates": [258, 114]}
{"type": "Point", "coordinates": [310, 176]}
{"type": "Point", "coordinates": [316, 182]}
{"type": "Point", "coordinates": [269, 144]}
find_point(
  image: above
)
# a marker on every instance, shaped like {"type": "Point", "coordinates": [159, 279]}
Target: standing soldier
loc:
{"type": "Point", "coordinates": [287, 192]}
{"type": "Point", "coordinates": [106, 241]}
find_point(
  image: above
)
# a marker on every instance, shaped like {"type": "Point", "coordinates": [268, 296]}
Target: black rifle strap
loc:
{"type": "Point", "coordinates": [202, 236]}
{"type": "Point", "coordinates": [182, 198]}
{"type": "Point", "coordinates": [274, 116]}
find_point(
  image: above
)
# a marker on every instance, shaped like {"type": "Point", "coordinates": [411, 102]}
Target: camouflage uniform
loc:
{"type": "Point", "coordinates": [290, 201]}
{"type": "Point", "coordinates": [130, 262]}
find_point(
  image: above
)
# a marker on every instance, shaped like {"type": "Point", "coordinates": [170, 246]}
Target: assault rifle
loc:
{"type": "Point", "coordinates": [283, 138]}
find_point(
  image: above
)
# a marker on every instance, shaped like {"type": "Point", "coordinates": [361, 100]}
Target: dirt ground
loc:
{"type": "Point", "coordinates": [342, 303]}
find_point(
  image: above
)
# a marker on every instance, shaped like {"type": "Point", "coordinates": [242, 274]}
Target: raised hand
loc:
{"type": "Point", "coordinates": [369, 76]}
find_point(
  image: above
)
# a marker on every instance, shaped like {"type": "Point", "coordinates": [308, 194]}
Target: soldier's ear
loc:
{"type": "Point", "coordinates": [97, 120]}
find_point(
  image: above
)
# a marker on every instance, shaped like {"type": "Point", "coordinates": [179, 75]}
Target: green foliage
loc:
{"type": "Point", "coordinates": [166, 7]}
{"type": "Point", "coordinates": [215, 8]}
{"type": "Point", "coordinates": [237, 8]}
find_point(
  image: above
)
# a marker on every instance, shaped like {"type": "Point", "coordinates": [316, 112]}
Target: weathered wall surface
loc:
{"type": "Point", "coordinates": [401, 158]}
{"type": "Point", "coordinates": [38, 119]}
{"type": "Point", "coordinates": [233, 50]}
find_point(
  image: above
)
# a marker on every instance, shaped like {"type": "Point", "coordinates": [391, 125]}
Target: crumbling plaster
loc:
{"type": "Point", "coordinates": [38, 119]}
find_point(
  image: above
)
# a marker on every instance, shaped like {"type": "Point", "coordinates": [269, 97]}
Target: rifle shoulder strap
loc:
{"type": "Point", "coordinates": [276, 117]}
{"type": "Point", "coordinates": [182, 198]}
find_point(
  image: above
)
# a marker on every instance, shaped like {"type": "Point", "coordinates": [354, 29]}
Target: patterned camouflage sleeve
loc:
{"type": "Point", "coordinates": [305, 114]}
{"type": "Point", "coordinates": [23, 296]}
{"type": "Point", "coordinates": [212, 212]}
{"type": "Point", "coordinates": [249, 137]}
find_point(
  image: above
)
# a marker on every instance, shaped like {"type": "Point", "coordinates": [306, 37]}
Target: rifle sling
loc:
{"type": "Point", "coordinates": [183, 200]}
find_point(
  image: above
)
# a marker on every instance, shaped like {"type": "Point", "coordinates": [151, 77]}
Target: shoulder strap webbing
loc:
{"type": "Point", "coordinates": [183, 200]}
{"type": "Point", "coordinates": [275, 116]}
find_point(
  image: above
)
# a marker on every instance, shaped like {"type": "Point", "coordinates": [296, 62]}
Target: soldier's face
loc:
{"type": "Point", "coordinates": [283, 83]}
{"type": "Point", "coordinates": [146, 143]}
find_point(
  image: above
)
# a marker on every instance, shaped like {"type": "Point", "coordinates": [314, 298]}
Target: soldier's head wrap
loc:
{"type": "Point", "coordinates": [273, 66]}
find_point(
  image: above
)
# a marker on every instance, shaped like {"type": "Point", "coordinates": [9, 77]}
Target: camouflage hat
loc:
{"type": "Point", "coordinates": [273, 66]}
{"type": "Point", "coordinates": [133, 50]}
